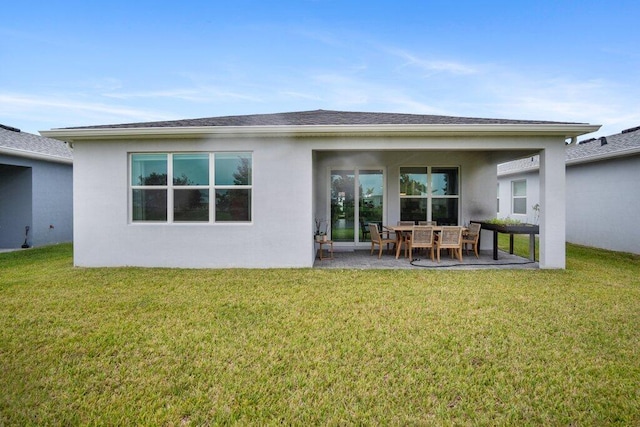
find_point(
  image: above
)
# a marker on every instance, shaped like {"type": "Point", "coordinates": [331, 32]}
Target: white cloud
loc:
{"type": "Point", "coordinates": [69, 112]}
{"type": "Point", "coordinates": [434, 66]}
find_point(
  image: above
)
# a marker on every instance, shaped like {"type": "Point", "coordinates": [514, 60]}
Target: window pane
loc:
{"type": "Point", "coordinates": [445, 211]}
{"type": "Point", "coordinates": [444, 181]}
{"type": "Point", "coordinates": [413, 209]}
{"type": "Point", "coordinates": [413, 181]}
{"type": "Point", "coordinates": [148, 169]}
{"type": "Point", "coordinates": [520, 205]}
{"type": "Point", "coordinates": [233, 205]}
{"type": "Point", "coordinates": [233, 169]}
{"type": "Point", "coordinates": [190, 169]}
{"type": "Point", "coordinates": [519, 188]}
{"type": "Point", "coordinates": [149, 205]}
{"type": "Point", "coordinates": [191, 205]}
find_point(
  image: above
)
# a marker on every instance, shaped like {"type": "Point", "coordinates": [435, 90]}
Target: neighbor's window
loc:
{"type": "Point", "coordinates": [519, 197]}
{"type": "Point", "coordinates": [429, 193]}
{"type": "Point", "coordinates": [178, 187]}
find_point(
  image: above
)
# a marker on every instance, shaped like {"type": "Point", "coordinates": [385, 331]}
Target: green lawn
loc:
{"type": "Point", "coordinates": [139, 346]}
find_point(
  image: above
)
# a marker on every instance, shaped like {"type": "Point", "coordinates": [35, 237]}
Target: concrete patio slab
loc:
{"type": "Point", "coordinates": [363, 260]}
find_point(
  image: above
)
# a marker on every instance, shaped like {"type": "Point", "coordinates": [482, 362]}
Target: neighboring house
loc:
{"type": "Point", "coordinates": [603, 197]}
{"type": "Point", "coordinates": [246, 191]}
{"type": "Point", "coordinates": [36, 190]}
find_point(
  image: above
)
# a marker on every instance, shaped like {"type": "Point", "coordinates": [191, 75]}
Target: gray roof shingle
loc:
{"type": "Point", "coordinates": [320, 117]}
{"type": "Point", "coordinates": [14, 139]}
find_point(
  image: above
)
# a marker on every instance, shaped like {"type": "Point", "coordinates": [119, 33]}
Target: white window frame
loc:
{"type": "Point", "coordinates": [429, 196]}
{"type": "Point", "coordinates": [170, 187]}
{"type": "Point", "coordinates": [514, 197]}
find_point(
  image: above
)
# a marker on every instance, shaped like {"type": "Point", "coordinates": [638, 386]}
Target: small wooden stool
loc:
{"type": "Point", "coordinates": [325, 242]}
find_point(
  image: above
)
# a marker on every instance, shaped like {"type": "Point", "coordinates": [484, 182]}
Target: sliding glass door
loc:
{"type": "Point", "coordinates": [357, 198]}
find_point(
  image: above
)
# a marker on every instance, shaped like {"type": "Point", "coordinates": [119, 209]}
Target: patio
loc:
{"type": "Point", "coordinates": [362, 259]}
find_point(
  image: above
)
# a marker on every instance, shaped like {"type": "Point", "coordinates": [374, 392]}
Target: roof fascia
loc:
{"type": "Point", "coordinates": [35, 156]}
{"type": "Point", "coordinates": [563, 130]}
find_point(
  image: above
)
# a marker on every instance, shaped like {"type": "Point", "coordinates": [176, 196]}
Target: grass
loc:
{"type": "Point", "coordinates": [124, 346]}
{"type": "Point", "coordinates": [520, 244]}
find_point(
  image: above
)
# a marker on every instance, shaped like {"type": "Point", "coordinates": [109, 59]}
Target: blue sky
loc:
{"type": "Point", "coordinates": [80, 63]}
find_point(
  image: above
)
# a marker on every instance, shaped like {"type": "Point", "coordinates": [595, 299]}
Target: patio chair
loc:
{"type": "Point", "coordinates": [471, 237]}
{"type": "Point", "coordinates": [421, 237]}
{"type": "Point", "coordinates": [406, 236]}
{"type": "Point", "coordinates": [364, 230]}
{"type": "Point", "coordinates": [432, 223]}
{"type": "Point", "coordinates": [378, 239]}
{"type": "Point", "coordinates": [450, 238]}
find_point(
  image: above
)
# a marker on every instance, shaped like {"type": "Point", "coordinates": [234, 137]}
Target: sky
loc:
{"type": "Point", "coordinates": [77, 63]}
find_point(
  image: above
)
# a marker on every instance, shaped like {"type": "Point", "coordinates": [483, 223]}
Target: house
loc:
{"type": "Point", "coordinates": [603, 197]}
{"type": "Point", "coordinates": [247, 191]}
{"type": "Point", "coordinates": [36, 182]}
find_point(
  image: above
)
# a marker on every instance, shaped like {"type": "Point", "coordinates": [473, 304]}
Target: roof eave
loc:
{"type": "Point", "coordinates": [604, 156]}
{"type": "Point", "coordinates": [561, 129]}
{"type": "Point", "coordinates": [34, 155]}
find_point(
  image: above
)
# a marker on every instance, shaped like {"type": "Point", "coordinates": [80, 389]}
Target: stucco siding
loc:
{"type": "Point", "coordinates": [104, 235]}
{"type": "Point", "coordinates": [290, 188]}
{"type": "Point", "coordinates": [37, 194]}
{"type": "Point", "coordinates": [533, 197]}
{"type": "Point", "coordinates": [602, 204]}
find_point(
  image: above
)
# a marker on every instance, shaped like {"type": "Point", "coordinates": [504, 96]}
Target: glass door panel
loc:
{"type": "Point", "coordinates": [342, 205]}
{"type": "Point", "coordinates": [370, 191]}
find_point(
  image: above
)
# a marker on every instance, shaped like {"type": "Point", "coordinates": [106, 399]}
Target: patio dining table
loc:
{"type": "Point", "coordinates": [400, 231]}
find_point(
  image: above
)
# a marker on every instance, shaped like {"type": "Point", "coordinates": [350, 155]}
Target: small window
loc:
{"type": "Point", "coordinates": [519, 196]}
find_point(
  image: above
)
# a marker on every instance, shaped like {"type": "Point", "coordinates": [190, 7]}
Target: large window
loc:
{"type": "Point", "coordinates": [429, 194]}
{"type": "Point", "coordinates": [191, 187]}
{"type": "Point", "coordinates": [519, 197]}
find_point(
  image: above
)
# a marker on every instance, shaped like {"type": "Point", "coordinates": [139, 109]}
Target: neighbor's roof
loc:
{"type": "Point", "coordinates": [22, 144]}
{"type": "Point", "coordinates": [323, 122]}
{"type": "Point", "coordinates": [621, 144]}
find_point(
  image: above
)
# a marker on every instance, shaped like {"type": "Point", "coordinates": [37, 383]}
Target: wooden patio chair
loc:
{"type": "Point", "coordinates": [364, 229]}
{"type": "Point", "coordinates": [450, 238]}
{"type": "Point", "coordinates": [421, 237]}
{"type": "Point", "coordinates": [378, 239]}
{"type": "Point", "coordinates": [471, 237]}
{"type": "Point", "coordinates": [406, 236]}
{"type": "Point", "coordinates": [431, 223]}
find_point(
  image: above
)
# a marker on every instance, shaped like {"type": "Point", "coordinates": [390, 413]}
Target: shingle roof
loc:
{"type": "Point", "coordinates": [14, 139]}
{"type": "Point", "coordinates": [320, 117]}
{"type": "Point", "coordinates": [619, 144]}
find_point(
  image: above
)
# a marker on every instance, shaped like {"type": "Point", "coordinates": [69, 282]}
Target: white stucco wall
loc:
{"type": "Point", "coordinates": [281, 211]}
{"type": "Point", "coordinates": [290, 189]}
{"type": "Point", "coordinates": [603, 199]}
{"type": "Point", "coordinates": [533, 196]}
